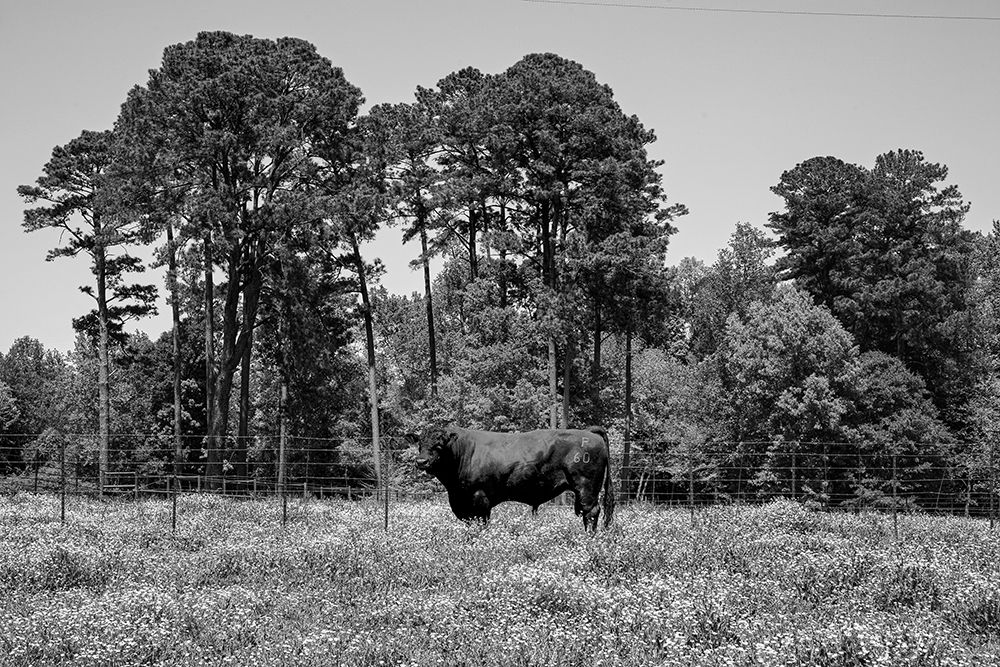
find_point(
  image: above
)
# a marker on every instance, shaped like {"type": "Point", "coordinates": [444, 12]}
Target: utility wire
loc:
{"type": "Point", "coordinates": [781, 12]}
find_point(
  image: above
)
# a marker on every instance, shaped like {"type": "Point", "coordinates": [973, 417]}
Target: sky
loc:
{"type": "Point", "coordinates": [735, 98]}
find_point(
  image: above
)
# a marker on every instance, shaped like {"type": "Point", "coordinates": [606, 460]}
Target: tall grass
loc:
{"type": "Point", "coordinates": [774, 585]}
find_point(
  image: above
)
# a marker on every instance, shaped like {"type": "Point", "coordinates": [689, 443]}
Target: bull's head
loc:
{"type": "Point", "coordinates": [434, 449]}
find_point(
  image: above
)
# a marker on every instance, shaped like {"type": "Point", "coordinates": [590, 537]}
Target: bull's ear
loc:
{"type": "Point", "coordinates": [412, 438]}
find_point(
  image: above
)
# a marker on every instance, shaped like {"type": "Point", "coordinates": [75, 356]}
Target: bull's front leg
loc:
{"type": "Point", "coordinates": [461, 505]}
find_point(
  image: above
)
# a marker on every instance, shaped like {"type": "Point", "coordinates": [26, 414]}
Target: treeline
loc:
{"type": "Point", "coordinates": [867, 323]}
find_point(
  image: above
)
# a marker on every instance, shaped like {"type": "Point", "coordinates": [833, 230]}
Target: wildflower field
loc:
{"type": "Point", "coordinates": [773, 585]}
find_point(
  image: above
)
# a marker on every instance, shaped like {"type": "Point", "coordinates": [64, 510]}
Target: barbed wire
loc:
{"type": "Point", "coordinates": [349, 462]}
{"type": "Point", "coordinates": [735, 447]}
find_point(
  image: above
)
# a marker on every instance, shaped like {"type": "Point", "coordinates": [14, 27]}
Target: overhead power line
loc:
{"type": "Point", "coordinates": [780, 12]}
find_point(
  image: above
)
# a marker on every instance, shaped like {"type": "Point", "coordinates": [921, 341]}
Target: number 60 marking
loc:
{"type": "Point", "coordinates": [585, 458]}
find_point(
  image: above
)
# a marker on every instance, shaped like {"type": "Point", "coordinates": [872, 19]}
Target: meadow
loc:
{"type": "Point", "coordinates": [747, 586]}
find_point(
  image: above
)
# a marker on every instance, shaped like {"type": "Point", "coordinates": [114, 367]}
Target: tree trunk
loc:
{"type": "Point", "coordinates": [473, 268]}
{"type": "Point", "coordinates": [243, 428]}
{"type": "Point", "coordinates": [626, 462]}
{"type": "Point", "coordinates": [209, 337]}
{"type": "Point", "coordinates": [430, 310]}
{"type": "Point", "coordinates": [484, 212]}
{"type": "Point", "coordinates": [175, 335]}
{"type": "Point", "coordinates": [549, 280]}
{"type": "Point", "coordinates": [502, 269]}
{"type": "Point", "coordinates": [567, 381]}
{"type": "Point", "coordinates": [282, 368]}
{"type": "Point", "coordinates": [595, 369]}
{"type": "Point", "coordinates": [553, 389]}
{"type": "Point", "coordinates": [234, 340]}
{"type": "Point", "coordinates": [243, 425]}
{"type": "Point", "coordinates": [214, 468]}
{"type": "Point", "coordinates": [366, 310]}
{"type": "Point", "coordinates": [223, 374]}
{"type": "Point", "coordinates": [103, 391]}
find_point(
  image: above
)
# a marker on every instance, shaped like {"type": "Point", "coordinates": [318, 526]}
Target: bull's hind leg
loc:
{"type": "Point", "coordinates": [588, 507]}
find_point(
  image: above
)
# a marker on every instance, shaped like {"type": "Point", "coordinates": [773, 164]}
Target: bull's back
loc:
{"type": "Point", "coordinates": [506, 449]}
{"type": "Point", "coordinates": [534, 466]}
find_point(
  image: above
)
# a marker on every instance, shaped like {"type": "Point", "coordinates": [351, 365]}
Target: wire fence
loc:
{"type": "Point", "coordinates": [834, 476]}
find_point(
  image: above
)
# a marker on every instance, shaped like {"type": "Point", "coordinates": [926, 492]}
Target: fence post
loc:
{"type": "Point", "coordinates": [895, 503]}
{"type": "Point", "coordinates": [691, 482]}
{"type": "Point", "coordinates": [36, 471]}
{"type": "Point", "coordinates": [175, 487]}
{"type": "Point", "coordinates": [385, 477]}
{"type": "Point", "coordinates": [826, 474]}
{"type": "Point", "coordinates": [739, 475]}
{"type": "Point", "coordinates": [993, 482]}
{"type": "Point", "coordinates": [282, 435]}
{"type": "Point", "coordinates": [62, 481]}
{"type": "Point", "coordinates": [795, 469]}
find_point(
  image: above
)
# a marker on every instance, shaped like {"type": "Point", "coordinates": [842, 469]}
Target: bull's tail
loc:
{"type": "Point", "coordinates": [609, 485]}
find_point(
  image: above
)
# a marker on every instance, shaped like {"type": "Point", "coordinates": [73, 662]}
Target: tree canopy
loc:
{"type": "Point", "coordinates": [885, 250]}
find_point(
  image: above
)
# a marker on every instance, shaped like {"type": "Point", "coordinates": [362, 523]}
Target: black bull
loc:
{"type": "Point", "coordinates": [481, 469]}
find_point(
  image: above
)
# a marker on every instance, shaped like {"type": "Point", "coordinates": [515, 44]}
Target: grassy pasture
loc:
{"type": "Point", "coordinates": [775, 585]}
